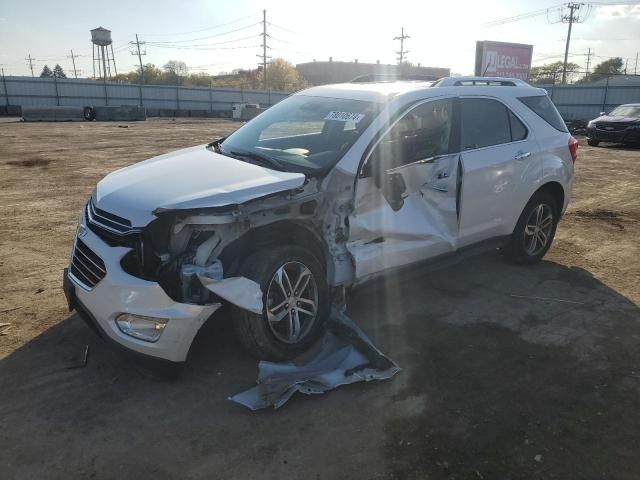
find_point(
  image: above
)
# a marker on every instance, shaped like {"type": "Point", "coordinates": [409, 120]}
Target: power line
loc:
{"type": "Point", "coordinates": [402, 51]}
{"type": "Point", "coordinates": [168, 44]}
{"type": "Point", "coordinates": [211, 36]}
{"type": "Point", "coordinates": [521, 16]}
{"type": "Point", "coordinates": [213, 27]}
{"type": "Point", "coordinates": [282, 28]}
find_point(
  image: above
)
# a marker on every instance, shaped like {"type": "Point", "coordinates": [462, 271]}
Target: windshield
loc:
{"type": "Point", "coordinates": [302, 133]}
{"type": "Point", "coordinates": [626, 111]}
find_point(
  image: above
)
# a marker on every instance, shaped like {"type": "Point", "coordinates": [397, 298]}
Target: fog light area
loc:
{"type": "Point", "coordinates": [148, 329]}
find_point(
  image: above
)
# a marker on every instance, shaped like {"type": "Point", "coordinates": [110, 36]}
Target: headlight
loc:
{"type": "Point", "coordinates": [590, 124]}
{"type": "Point", "coordinates": [144, 328]}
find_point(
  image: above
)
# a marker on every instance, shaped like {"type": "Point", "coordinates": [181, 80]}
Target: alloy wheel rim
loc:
{"type": "Point", "coordinates": [537, 229]}
{"type": "Point", "coordinates": [291, 302]}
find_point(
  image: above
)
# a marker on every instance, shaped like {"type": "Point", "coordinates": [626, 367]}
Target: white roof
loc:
{"type": "Point", "coordinates": [382, 92]}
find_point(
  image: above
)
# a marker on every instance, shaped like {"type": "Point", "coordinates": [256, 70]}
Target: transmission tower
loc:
{"type": "Point", "coordinates": [402, 52]}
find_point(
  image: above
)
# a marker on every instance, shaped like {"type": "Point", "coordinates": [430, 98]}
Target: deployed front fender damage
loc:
{"type": "Point", "coordinates": [343, 354]}
{"type": "Point", "coordinates": [240, 291]}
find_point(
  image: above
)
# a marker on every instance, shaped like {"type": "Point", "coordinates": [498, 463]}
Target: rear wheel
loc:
{"type": "Point", "coordinates": [295, 303]}
{"type": "Point", "coordinates": [534, 232]}
{"type": "Point", "coordinates": [592, 142]}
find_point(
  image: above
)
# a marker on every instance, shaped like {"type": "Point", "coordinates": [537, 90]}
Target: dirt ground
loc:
{"type": "Point", "coordinates": [509, 372]}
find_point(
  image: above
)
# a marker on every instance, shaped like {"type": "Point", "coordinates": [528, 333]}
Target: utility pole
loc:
{"type": "Point", "coordinates": [402, 51]}
{"type": "Point", "coordinates": [588, 61]}
{"type": "Point", "coordinates": [137, 44]}
{"type": "Point", "coordinates": [73, 60]}
{"type": "Point", "coordinates": [264, 49]}
{"type": "Point", "coordinates": [573, 7]}
{"type": "Point", "coordinates": [30, 60]}
{"type": "Point", "coordinates": [635, 69]}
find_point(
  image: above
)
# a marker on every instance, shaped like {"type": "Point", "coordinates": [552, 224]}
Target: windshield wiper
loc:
{"type": "Point", "coordinates": [259, 157]}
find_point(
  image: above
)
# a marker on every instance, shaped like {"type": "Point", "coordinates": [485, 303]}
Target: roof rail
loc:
{"type": "Point", "coordinates": [381, 77]}
{"type": "Point", "coordinates": [480, 81]}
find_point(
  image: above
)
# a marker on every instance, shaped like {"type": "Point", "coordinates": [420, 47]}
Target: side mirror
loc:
{"type": "Point", "coordinates": [602, 114]}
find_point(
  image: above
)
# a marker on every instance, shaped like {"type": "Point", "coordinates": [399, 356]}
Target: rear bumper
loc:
{"type": "Point", "coordinates": [118, 292]}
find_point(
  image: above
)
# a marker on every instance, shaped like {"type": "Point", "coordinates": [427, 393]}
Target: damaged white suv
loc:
{"type": "Point", "coordinates": [325, 190]}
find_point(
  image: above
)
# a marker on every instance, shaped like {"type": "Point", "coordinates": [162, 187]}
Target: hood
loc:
{"type": "Point", "coordinates": [614, 119]}
{"type": "Point", "coordinates": [190, 178]}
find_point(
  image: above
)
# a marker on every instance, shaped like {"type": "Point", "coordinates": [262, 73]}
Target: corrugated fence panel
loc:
{"type": "Point", "coordinates": [584, 102]}
{"type": "Point", "coordinates": [575, 102]}
{"type": "Point", "coordinates": [72, 92]}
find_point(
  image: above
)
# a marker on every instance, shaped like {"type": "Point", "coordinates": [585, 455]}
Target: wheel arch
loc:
{"type": "Point", "coordinates": [272, 235]}
{"type": "Point", "coordinates": [556, 190]}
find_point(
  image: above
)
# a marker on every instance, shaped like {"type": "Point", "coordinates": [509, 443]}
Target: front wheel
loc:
{"type": "Point", "coordinates": [592, 142]}
{"type": "Point", "coordinates": [534, 232]}
{"type": "Point", "coordinates": [295, 303]}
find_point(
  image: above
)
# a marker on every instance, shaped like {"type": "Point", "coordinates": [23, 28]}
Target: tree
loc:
{"type": "Point", "coordinates": [46, 72]}
{"type": "Point", "coordinates": [58, 71]}
{"type": "Point", "coordinates": [613, 66]}
{"type": "Point", "coordinates": [282, 75]}
{"type": "Point", "coordinates": [552, 72]}
{"type": "Point", "coordinates": [174, 72]}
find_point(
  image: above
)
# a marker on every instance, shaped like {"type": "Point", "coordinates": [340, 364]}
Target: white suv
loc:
{"type": "Point", "coordinates": [327, 189]}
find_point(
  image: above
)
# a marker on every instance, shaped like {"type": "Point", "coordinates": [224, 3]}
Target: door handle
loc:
{"type": "Point", "coordinates": [522, 155]}
{"type": "Point", "coordinates": [442, 175]}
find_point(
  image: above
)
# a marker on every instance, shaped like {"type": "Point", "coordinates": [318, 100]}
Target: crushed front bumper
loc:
{"type": "Point", "coordinates": [118, 292]}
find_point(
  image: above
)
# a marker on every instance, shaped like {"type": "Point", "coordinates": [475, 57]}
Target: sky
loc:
{"type": "Point", "coordinates": [218, 36]}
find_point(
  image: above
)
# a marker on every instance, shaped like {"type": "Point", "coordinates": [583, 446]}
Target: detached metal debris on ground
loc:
{"type": "Point", "coordinates": [343, 355]}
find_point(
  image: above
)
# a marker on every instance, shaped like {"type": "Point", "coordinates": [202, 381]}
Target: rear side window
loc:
{"type": "Point", "coordinates": [545, 109]}
{"type": "Point", "coordinates": [518, 130]}
{"type": "Point", "coordinates": [485, 122]}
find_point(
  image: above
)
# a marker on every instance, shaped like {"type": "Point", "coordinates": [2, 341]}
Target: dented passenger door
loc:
{"type": "Point", "coordinates": [406, 204]}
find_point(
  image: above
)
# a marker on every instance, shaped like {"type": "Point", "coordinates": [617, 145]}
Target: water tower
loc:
{"type": "Point", "coordinates": [101, 40]}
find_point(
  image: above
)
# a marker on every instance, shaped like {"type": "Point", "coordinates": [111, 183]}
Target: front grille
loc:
{"type": "Point", "coordinates": [611, 127]}
{"type": "Point", "coordinates": [107, 220]}
{"type": "Point", "coordinates": [86, 266]}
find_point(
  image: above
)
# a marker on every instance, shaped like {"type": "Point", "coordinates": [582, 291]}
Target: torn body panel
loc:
{"type": "Point", "coordinates": [425, 224]}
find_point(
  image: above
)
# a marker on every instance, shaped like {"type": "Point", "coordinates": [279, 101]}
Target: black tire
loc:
{"type": "Point", "coordinates": [518, 248]}
{"type": "Point", "coordinates": [592, 142]}
{"type": "Point", "coordinates": [89, 114]}
{"type": "Point", "coordinates": [254, 331]}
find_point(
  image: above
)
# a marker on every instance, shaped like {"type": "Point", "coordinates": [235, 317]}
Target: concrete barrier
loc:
{"type": "Point", "coordinates": [124, 113]}
{"type": "Point", "coordinates": [52, 114]}
{"type": "Point", "coordinates": [249, 113]}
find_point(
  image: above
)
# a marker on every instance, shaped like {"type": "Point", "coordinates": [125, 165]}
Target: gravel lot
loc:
{"type": "Point", "coordinates": [509, 372]}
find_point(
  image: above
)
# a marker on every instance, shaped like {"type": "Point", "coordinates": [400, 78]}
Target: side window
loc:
{"type": "Point", "coordinates": [423, 132]}
{"type": "Point", "coordinates": [485, 122]}
{"type": "Point", "coordinates": [518, 130]}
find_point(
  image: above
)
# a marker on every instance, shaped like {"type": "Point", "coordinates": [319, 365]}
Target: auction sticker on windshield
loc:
{"type": "Point", "coordinates": [345, 116]}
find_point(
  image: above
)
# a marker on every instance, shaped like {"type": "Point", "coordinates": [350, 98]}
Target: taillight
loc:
{"type": "Point", "coordinates": [573, 148]}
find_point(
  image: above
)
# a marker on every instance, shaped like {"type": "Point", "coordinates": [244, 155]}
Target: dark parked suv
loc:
{"type": "Point", "coordinates": [622, 125]}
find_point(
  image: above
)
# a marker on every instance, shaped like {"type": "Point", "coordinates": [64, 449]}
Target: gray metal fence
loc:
{"type": "Point", "coordinates": [586, 101]}
{"type": "Point", "coordinates": [72, 92]}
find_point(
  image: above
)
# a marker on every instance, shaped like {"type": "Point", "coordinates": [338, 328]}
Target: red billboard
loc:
{"type": "Point", "coordinates": [499, 59]}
